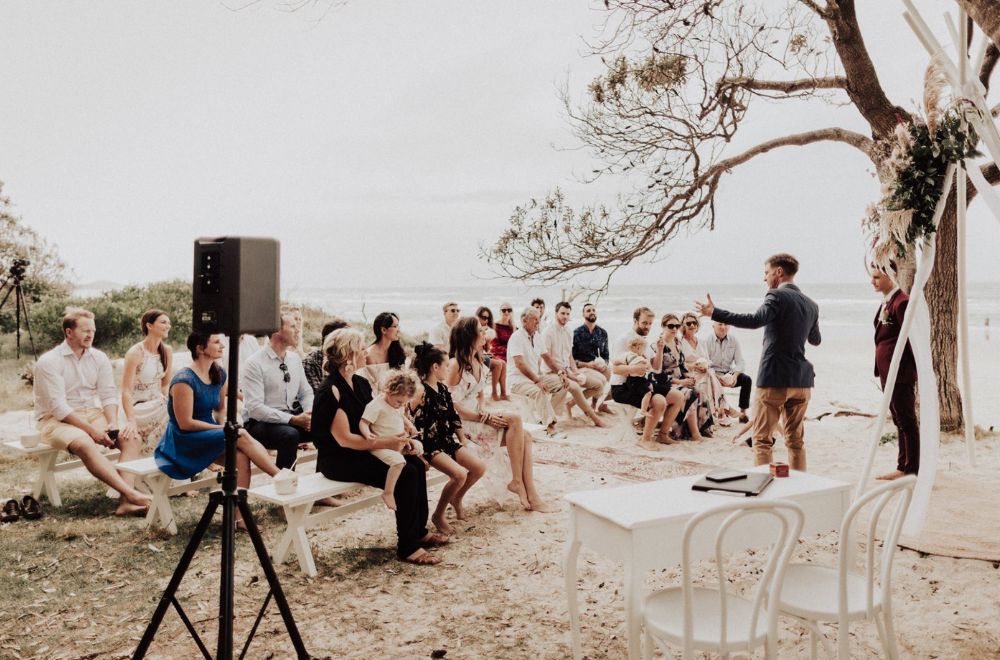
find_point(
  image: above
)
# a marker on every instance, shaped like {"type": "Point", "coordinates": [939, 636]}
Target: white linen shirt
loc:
{"type": "Point", "coordinates": [440, 336]}
{"type": "Point", "coordinates": [557, 341]}
{"type": "Point", "coordinates": [527, 346]}
{"type": "Point", "coordinates": [64, 383]}
{"type": "Point", "coordinates": [724, 353]}
{"type": "Point", "coordinates": [266, 395]}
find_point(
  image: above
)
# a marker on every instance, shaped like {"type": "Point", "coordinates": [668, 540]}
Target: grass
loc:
{"type": "Point", "coordinates": [15, 394]}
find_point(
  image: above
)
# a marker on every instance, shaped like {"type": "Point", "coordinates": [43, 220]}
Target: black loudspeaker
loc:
{"type": "Point", "coordinates": [236, 286]}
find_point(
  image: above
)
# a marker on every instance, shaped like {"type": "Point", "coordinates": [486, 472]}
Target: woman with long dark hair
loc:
{"type": "Point", "coordinates": [145, 377]}
{"type": "Point", "coordinates": [496, 364]}
{"type": "Point", "coordinates": [345, 454]}
{"type": "Point", "coordinates": [386, 352]}
{"type": "Point", "coordinates": [490, 427]}
{"type": "Point", "coordinates": [195, 436]}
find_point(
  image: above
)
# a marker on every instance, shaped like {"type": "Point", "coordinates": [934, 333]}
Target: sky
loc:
{"type": "Point", "coordinates": [381, 142]}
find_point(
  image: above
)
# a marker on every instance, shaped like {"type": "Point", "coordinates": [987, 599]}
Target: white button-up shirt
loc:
{"type": "Point", "coordinates": [557, 341]}
{"type": "Point", "coordinates": [529, 348]}
{"type": "Point", "coordinates": [724, 353]}
{"type": "Point", "coordinates": [65, 383]}
{"type": "Point", "coordinates": [266, 395]}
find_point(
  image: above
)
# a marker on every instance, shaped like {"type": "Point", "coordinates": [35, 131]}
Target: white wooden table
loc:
{"type": "Point", "coordinates": [641, 526]}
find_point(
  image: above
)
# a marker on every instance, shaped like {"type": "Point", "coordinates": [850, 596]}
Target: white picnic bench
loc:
{"type": "Point", "coordinates": [162, 487]}
{"type": "Point", "coordinates": [45, 479]}
{"type": "Point", "coordinates": [299, 517]}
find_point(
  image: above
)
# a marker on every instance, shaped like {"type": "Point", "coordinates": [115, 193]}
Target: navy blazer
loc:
{"type": "Point", "coordinates": [789, 318]}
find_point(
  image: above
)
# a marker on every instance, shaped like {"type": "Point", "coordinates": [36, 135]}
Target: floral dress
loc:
{"type": "Point", "coordinates": [148, 402]}
{"type": "Point", "coordinates": [487, 441]}
{"type": "Point", "coordinates": [673, 364]}
{"type": "Point", "coordinates": [437, 422]}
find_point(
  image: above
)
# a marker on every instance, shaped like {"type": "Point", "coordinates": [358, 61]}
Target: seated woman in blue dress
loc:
{"type": "Point", "coordinates": [194, 439]}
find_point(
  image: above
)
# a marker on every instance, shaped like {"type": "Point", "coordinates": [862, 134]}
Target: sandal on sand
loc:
{"type": "Point", "coordinates": [434, 539]}
{"type": "Point", "coordinates": [423, 559]}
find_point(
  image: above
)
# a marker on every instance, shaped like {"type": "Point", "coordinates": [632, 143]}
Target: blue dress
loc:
{"type": "Point", "coordinates": [183, 454]}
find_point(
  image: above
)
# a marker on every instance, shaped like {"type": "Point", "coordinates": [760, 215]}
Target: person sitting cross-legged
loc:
{"type": "Point", "coordinates": [545, 392]}
{"type": "Point", "coordinates": [276, 395]}
{"type": "Point", "coordinates": [727, 362]}
{"type": "Point", "coordinates": [69, 380]}
{"type": "Point", "coordinates": [557, 358]}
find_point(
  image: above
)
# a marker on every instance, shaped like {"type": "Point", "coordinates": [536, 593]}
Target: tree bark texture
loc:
{"type": "Point", "coordinates": [941, 292]}
{"type": "Point", "coordinates": [986, 14]}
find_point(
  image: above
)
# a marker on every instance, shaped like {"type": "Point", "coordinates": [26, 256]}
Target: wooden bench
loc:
{"type": "Point", "coordinates": [298, 516]}
{"type": "Point", "coordinates": [162, 487]}
{"type": "Point", "coordinates": [45, 481]}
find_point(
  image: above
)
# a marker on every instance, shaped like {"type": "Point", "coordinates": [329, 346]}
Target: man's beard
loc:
{"type": "Point", "coordinates": [642, 332]}
{"type": "Point", "coordinates": [590, 319]}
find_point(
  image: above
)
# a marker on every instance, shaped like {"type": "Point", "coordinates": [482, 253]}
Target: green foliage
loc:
{"type": "Point", "coordinates": [117, 315]}
{"type": "Point", "coordinates": [888, 438]}
{"type": "Point", "coordinates": [45, 275]}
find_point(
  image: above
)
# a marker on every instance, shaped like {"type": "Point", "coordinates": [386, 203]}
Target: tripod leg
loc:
{"type": "Point", "coordinates": [272, 578]}
{"type": "Point", "coordinates": [27, 323]}
{"type": "Point", "coordinates": [17, 308]}
{"type": "Point", "coordinates": [214, 500]}
{"type": "Point", "coordinates": [226, 577]}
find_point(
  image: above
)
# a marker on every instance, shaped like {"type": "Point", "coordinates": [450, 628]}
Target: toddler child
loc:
{"type": "Point", "coordinates": [384, 418]}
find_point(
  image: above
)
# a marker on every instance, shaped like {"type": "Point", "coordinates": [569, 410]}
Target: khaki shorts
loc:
{"type": "Point", "coordinates": [61, 435]}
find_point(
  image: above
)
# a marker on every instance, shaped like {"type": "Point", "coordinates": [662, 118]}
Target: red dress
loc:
{"type": "Point", "coordinates": [499, 346]}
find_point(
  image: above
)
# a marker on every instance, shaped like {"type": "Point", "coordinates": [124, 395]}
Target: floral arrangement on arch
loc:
{"type": "Point", "coordinates": [913, 174]}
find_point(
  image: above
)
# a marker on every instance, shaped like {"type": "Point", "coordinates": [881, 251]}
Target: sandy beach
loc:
{"type": "Point", "coordinates": [500, 592]}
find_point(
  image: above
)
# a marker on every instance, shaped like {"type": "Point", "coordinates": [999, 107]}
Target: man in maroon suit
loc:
{"type": "Point", "coordinates": [888, 322]}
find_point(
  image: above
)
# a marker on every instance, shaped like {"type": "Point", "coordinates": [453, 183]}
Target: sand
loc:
{"type": "Point", "coordinates": [500, 592]}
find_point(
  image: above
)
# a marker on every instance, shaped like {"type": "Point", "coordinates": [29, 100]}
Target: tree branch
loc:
{"type": "Point", "coordinates": [787, 86]}
{"type": "Point", "coordinates": [989, 63]}
{"type": "Point", "coordinates": [822, 11]}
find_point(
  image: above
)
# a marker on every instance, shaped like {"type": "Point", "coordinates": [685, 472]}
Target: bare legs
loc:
{"type": "Point", "coordinates": [498, 374]}
{"type": "Point", "coordinates": [657, 406]}
{"type": "Point", "coordinates": [519, 448]}
{"type": "Point", "coordinates": [463, 472]}
{"type": "Point", "coordinates": [97, 464]}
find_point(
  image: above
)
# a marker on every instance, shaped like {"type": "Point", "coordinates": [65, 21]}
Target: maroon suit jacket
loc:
{"type": "Point", "coordinates": [886, 335]}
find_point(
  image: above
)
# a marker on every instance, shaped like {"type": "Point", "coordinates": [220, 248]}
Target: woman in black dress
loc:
{"type": "Point", "coordinates": [344, 454]}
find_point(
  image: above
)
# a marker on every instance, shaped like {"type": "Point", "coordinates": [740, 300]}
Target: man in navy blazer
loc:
{"type": "Point", "coordinates": [785, 377]}
{"type": "Point", "coordinates": [903, 404]}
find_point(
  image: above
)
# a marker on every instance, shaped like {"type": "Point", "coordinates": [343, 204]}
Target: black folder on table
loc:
{"type": "Point", "coordinates": [753, 485]}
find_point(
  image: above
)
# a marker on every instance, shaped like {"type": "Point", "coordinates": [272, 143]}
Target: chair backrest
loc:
{"type": "Point", "coordinates": [789, 517]}
{"type": "Point", "coordinates": [879, 499]}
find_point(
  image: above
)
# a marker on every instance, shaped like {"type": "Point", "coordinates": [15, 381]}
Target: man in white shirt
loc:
{"type": "Point", "coordinates": [69, 380]}
{"type": "Point", "coordinates": [440, 335]}
{"type": "Point", "coordinates": [545, 392]}
{"type": "Point", "coordinates": [557, 358]}
{"type": "Point", "coordinates": [277, 398]}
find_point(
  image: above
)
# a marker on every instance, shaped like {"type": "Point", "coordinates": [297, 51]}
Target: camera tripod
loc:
{"type": "Point", "coordinates": [229, 500]}
{"type": "Point", "coordinates": [13, 285]}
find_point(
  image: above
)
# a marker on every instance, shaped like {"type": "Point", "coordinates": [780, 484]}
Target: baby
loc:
{"type": "Point", "coordinates": [637, 355]}
{"type": "Point", "coordinates": [384, 418]}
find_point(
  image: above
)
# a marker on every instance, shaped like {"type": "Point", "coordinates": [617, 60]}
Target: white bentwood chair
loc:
{"type": "Point", "coordinates": [712, 619]}
{"type": "Point", "coordinates": [841, 594]}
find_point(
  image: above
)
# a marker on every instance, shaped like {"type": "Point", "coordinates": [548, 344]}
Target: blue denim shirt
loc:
{"type": "Point", "coordinates": [587, 346]}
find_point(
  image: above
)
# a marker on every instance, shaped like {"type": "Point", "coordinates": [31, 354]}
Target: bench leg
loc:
{"type": "Point", "coordinates": [295, 534]}
{"type": "Point", "coordinates": [159, 510]}
{"type": "Point", "coordinates": [46, 480]}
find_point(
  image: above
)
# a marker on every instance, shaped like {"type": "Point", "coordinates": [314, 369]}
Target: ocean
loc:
{"type": "Point", "coordinates": [846, 310]}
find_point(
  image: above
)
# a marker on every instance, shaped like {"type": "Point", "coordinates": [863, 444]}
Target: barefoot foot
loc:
{"type": "Point", "coordinates": [126, 509]}
{"type": "Point", "coordinates": [648, 445]}
{"type": "Point", "coordinates": [517, 487]}
{"type": "Point", "coordinates": [136, 498]}
{"type": "Point", "coordinates": [442, 524]}
{"type": "Point", "coordinates": [542, 507]}
{"type": "Point", "coordinates": [459, 508]}
{"type": "Point", "coordinates": [891, 476]}
{"type": "Point", "coordinates": [600, 423]}
{"type": "Point", "coordinates": [389, 500]}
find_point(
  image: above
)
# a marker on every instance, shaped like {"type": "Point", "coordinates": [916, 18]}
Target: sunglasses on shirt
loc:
{"type": "Point", "coordinates": [284, 372]}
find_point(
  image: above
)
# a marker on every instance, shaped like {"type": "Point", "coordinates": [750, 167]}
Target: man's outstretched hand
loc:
{"type": "Point", "coordinates": [705, 308]}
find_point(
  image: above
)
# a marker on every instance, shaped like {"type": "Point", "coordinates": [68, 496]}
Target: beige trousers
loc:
{"type": "Point", "coordinates": [769, 405]}
{"type": "Point", "coordinates": [544, 398]}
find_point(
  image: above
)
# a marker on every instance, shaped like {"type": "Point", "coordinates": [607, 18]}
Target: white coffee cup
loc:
{"type": "Point", "coordinates": [286, 482]}
{"type": "Point", "coordinates": [30, 440]}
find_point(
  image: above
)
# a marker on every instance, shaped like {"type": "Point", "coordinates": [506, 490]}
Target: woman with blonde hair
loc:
{"type": "Point", "coordinates": [699, 365]}
{"type": "Point", "coordinates": [345, 454]}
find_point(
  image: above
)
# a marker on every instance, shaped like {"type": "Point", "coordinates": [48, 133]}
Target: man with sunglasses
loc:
{"type": "Point", "coordinates": [785, 377]}
{"type": "Point", "coordinates": [277, 396]}
{"type": "Point", "coordinates": [440, 335]}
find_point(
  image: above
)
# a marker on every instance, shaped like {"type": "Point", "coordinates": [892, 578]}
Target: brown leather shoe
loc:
{"type": "Point", "coordinates": [11, 511]}
{"type": "Point", "coordinates": [30, 508]}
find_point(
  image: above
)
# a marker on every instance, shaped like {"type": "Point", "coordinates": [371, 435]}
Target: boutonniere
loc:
{"type": "Point", "coordinates": [883, 316]}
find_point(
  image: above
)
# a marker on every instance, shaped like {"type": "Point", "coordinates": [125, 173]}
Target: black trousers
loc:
{"type": "Point", "coordinates": [744, 382]}
{"type": "Point", "coordinates": [283, 438]}
{"type": "Point", "coordinates": [903, 407]}
{"type": "Point", "coordinates": [410, 493]}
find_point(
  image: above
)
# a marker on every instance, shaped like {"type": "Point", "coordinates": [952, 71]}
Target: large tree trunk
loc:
{"type": "Point", "coordinates": [942, 299]}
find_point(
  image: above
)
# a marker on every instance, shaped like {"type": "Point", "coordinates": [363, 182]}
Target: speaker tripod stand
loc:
{"type": "Point", "coordinates": [230, 500]}
{"type": "Point", "coordinates": [13, 285]}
